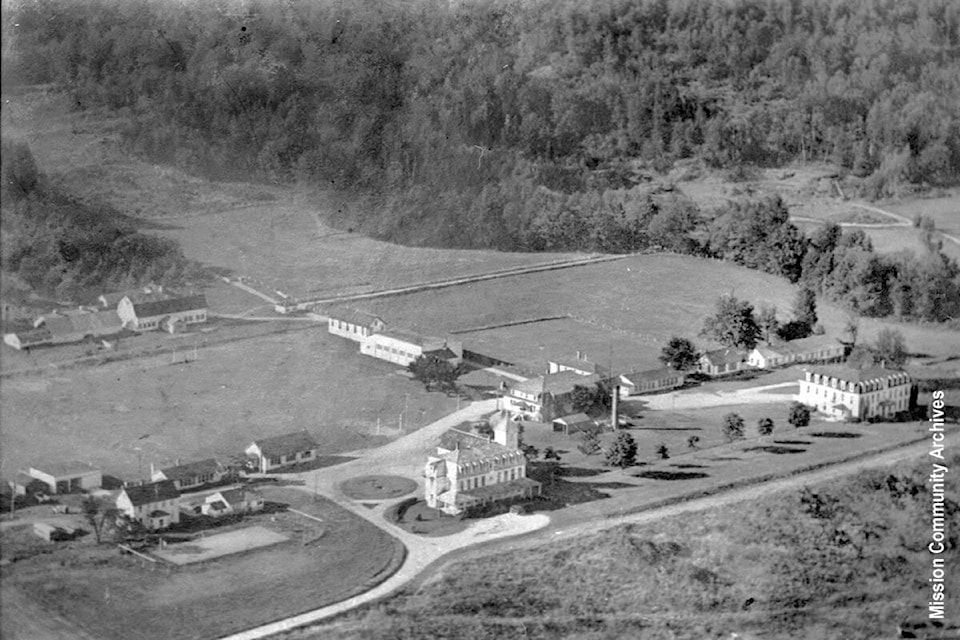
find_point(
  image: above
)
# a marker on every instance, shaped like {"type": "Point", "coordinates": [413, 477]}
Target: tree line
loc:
{"type": "Point", "coordinates": [71, 251]}
{"type": "Point", "coordinates": [534, 125]}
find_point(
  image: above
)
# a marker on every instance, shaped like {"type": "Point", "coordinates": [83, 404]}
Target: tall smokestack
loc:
{"type": "Point", "coordinates": [615, 407]}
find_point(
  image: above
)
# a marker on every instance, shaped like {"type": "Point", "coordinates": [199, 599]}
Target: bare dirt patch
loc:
{"type": "Point", "coordinates": [218, 545]}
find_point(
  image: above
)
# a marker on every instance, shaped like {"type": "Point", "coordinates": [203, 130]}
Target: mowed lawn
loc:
{"type": "Point", "coordinates": [114, 597]}
{"type": "Point", "coordinates": [125, 415]}
{"type": "Point", "coordinates": [286, 246]}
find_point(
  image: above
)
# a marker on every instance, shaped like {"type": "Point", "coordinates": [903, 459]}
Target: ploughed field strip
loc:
{"type": "Point", "coordinates": [221, 544]}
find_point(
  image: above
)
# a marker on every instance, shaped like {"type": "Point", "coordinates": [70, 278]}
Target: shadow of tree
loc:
{"type": "Point", "coordinates": [671, 475]}
{"type": "Point", "coordinates": [776, 450]}
{"type": "Point", "coordinates": [835, 434]}
{"type": "Point", "coordinates": [792, 442]}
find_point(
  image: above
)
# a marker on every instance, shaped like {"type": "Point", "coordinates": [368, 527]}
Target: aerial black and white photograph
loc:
{"type": "Point", "coordinates": [480, 320]}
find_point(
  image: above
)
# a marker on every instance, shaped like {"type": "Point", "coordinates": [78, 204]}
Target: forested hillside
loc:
{"type": "Point", "coordinates": [72, 251]}
{"type": "Point", "coordinates": [527, 125]}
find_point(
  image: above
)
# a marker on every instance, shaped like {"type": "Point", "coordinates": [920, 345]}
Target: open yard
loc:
{"type": "Point", "coordinates": [126, 415]}
{"type": "Point", "coordinates": [597, 491]}
{"type": "Point", "coordinates": [111, 597]}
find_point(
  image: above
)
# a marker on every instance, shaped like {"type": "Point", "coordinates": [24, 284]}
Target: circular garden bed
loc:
{"type": "Point", "coordinates": [378, 487]}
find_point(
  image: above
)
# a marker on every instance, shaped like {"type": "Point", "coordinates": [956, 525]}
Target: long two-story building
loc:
{"type": "Point", "coordinates": [861, 394]}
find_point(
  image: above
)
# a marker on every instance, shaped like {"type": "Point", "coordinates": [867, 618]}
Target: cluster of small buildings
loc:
{"type": "Point", "coordinates": [821, 348]}
{"type": "Point", "coordinates": [147, 309]}
{"type": "Point", "coordinates": [157, 504]}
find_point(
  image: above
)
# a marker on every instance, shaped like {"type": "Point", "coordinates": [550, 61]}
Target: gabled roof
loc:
{"type": "Point", "coordinates": [152, 492]}
{"type": "Point", "coordinates": [82, 322]}
{"type": "Point", "coordinates": [287, 443]}
{"type": "Point", "coordinates": [404, 335]}
{"type": "Point", "coordinates": [236, 496]}
{"type": "Point", "coordinates": [441, 354]}
{"type": "Point", "coordinates": [812, 343]}
{"type": "Point", "coordinates": [575, 419]}
{"type": "Point", "coordinates": [454, 438]}
{"type": "Point", "coordinates": [33, 336]}
{"type": "Point", "coordinates": [769, 352]}
{"type": "Point", "coordinates": [353, 316]}
{"type": "Point", "coordinates": [69, 468]}
{"type": "Point", "coordinates": [192, 469]}
{"type": "Point", "coordinates": [476, 452]}
{"type": "Point", "coordinates": [149, 292]}
{"type": "Point", "coordinates": [556, 383]}
{"type": "Point", "coordinates": [153, 308]}
{"type": "Point", "coordinates": [650, 375]}
{"type": "Point", "coordinates": [724, 356]}
{"type": "Point", "coordinates": [580, 365]}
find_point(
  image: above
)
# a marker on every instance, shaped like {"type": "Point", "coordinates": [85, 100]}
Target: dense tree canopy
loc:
{"type": "Point", "coordinates": [536, 125]}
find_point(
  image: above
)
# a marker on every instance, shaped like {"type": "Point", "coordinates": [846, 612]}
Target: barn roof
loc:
{"type": "Point", "coordinates": [152, 492]}
{"type": "Point", "coordinates": [286, 443]}
{"type": "Point", "coordinates": [154, 308]}
{"type": "Point", "coordinates": [192, 469]}
{"type": "Point", "coordinates": [69, 468]}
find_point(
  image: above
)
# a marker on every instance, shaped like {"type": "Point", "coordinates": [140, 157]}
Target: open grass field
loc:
{"type": "Point", "coordinates": [272, 235]}
{"type": "Point", "coordinates": [125, 415]}
{"type": "Point", "coordinates": [632, 306]}
{"type": "Point", "coordinates": [113, 597]}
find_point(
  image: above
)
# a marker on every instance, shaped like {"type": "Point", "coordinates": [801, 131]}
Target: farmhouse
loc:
{"type": "Point", "coordinates": [544, 398]}
{"type": "Point", "coordinates": [578, 365]}
{"type": "Point", "coordinates": [169, 314]}
{"type": "Point", "coordinates": [280, 451]}
{"type": "Point", "coordinates": [650, 381]}
{"type": "Point", "coordinates": [67, 477]}
{"type": "Point", "coordinates": [155, 505]}
{"type": "Point", "coordinates": [190, 475]}
{"type": "Point", "coordinates": [477, 471]}
{"type": "Point", "coordinates": [403, 347]}
{"type": "Point", "coordinates": [721, 362]}
{"type": "Point", "coordinates": [858, 394]}
{"type": "Point", "coordinates": [354, 325]}
{"type": "Point", "coordinates": [231, 501]}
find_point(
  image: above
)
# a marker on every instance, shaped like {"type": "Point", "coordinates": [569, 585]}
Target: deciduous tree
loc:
{"type": "Point", "coordinates": [679, 353]}
{"type": "Point", "coordinates": [733, 324]}
{"type": "Point", "coordinates": [732, 427]}
{"type": "Point", "coordinates": [799, 415]}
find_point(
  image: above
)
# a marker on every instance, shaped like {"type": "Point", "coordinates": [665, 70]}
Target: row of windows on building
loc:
{"type": "Point", "coordinates": [303, 455]}
{"type": "Point", "coordinates": [481, 481]}
{"type": "Point", "coordinates": [845, 397]}
{"type": "Point", "coordinates": [346, 326]}
{"type": "Point", "coordinates": [656, 384]}
{"type": "Point", "coordinates": [395, 351]}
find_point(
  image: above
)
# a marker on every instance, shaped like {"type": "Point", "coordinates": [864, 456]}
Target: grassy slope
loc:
{"type": "Point", "coordinates": [766, 569]}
